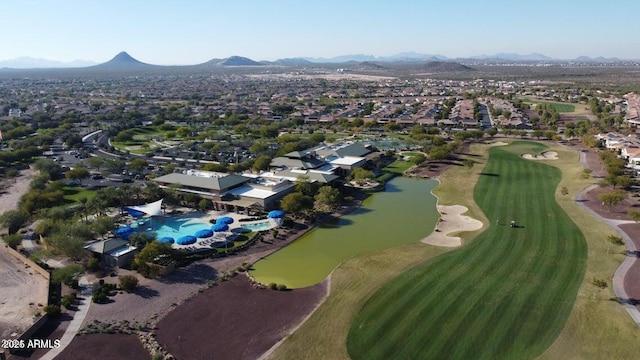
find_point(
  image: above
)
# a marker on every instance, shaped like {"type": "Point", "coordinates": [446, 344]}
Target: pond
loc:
{"type": "Point", "coordinates": [405, 213]}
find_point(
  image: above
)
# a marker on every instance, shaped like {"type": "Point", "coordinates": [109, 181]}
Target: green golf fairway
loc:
{"type": "Point", "coordinates": [404, 213]}
{"type": "Point", "coordinates": [506, 295]}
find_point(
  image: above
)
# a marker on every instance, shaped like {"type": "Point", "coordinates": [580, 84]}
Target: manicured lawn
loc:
{"type": "Point", "coordinates": [72, 194]}
{"type": "Point", "coordinates": [598, 328]}
{"type": "Point", "coordinates": [506, 295]}
{"type": "Point", "coordinates": [398, 166]}
{"type": "Point", "coordinates": [561, 107]}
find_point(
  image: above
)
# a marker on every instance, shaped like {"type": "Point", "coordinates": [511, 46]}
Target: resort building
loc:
{"type": "Point", "coordinates": [241, 193]}
{"type": "Point", "coordinates": [337, 160]}
{"type": "Point", "coordinates": [230, 192]}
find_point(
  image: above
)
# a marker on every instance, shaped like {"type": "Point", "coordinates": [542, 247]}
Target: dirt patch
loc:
{"type": "Point", "coordinates": [235, 320]}
{"type": "Point", "coordinates": [617, 212]}
{"type": "Point", "coordinates": [13, 189]}
{"type": "Point", "coordinates": [105, 347]}
{"type": "Point", "coordinates": [451, 221]}
{"type": "Point", "coordinates": [24, 292]}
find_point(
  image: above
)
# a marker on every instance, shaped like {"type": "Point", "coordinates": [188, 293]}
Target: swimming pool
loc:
{"type": "Point", "coordinates": [175, 226]}
{"type": "Point", "coordinates": [264, 225]}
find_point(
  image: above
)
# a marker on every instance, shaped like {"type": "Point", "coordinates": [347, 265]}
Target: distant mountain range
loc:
{"type": "Point", "coordinates": [26, 62]}
{"type": "Point", "coordinates": [124, 61]}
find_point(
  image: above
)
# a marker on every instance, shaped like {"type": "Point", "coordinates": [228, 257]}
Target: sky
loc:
{"type": "Point", "coordinates": [183, 32]}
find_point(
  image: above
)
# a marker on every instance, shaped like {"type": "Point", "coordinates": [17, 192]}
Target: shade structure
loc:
{"type": "Point", "coordinates": [166, 240]}
{"type": "Point", "coordinates": [186, 240]}
{"type": "Point", "coordinates": [220, 227]}
{"type": "Point", "coordinates": [224, 220]}
{"type": "Point", "coordinates": [152, 209]}
{"type": "Point", "coordinates": [123, 230]}
{"type": "Point", "coordinates": [276, 214]}
{"type": "Point", "coordinates": [204, 233]}
{"type": "Point", "coordinates": [133, 212]}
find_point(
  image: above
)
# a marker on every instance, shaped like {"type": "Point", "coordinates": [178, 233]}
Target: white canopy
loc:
{"type": "Point", "coordinates": [152, 209]}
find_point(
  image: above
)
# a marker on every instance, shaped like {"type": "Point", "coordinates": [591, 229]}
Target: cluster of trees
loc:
{"type": "Point", "coordinates": [615, 168]}
{"type": "Point", "coordinates": [548, 114]}
{"type": "Point", "coordinates": [603, 109]}
{"type": "Point", "coordinates": [310, 196]}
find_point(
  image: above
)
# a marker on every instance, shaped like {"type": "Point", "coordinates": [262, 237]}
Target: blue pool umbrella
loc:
{"type": "Point", "coordinates": [275, 214]}
{"type": "Point", "coordinates": [204, 233]}
{"type": "Point", "coordinates": [166, 240]}
{"type": "Point", "coordinates": [186, 240]}
{"type": "Point", "coordinates": [220, 227]}
{"type": "Point", "coordinates": [224, 220]}
{"type": "Point", "coordinates": [123, 230]}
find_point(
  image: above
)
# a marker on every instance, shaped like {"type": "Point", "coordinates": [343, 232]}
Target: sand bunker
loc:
{"type": "Point", "coordinates": [451, 221]}
{"type": "Point", "coordinates": [547, 155]}
{"type": "Point", "coordinates": [498, 143]}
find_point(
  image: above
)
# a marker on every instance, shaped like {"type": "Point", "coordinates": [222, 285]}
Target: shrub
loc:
{"type": "Point", "coordinates": [128, 282]}
{"type": "Point", "coordinates": [67, 274]}
{"type": "Point", "coordinates": [282, 287]}
{"type": "Point", "coordinates": [93, 264]}
{"type": "Point", "coordinates": [99, 296]}
{"type": "Point", "coordinates": [599, 283]}
{"type": "Point", "coordinates": [68, 300]}
{"type": "Point", "coordinates": [273, 286]}
{"type": "Point", "coordinates": [52, 310]}
{"type": "Point", "coordinates": [13, 240]}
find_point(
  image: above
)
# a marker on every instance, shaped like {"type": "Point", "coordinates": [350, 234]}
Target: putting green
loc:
{"type": "Point", "coordinates": [506, 295]}
{"type": "Point", "coordinates": [404, 213]}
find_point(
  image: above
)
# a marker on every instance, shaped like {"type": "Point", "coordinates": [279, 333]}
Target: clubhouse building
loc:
{"type": "Point", "coordinates": [243, 192]}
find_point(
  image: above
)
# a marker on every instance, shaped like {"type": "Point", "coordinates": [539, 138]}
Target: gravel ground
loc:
{"type": "Point", "coordinates": [21, 288]}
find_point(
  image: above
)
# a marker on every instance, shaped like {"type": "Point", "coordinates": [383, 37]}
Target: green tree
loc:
{"type": "Point", "coordinates": [13, 240]}
{"type": "Point", "coordinates": [361, 174]}
{"type": "Point", "coordinates": [634, 214]}
{"type": "Point", "coordinates": [307, 187]}
{"type": "Point", "coordinates": [13, 220]}
{"type": "Point", "coordinates": [138, 164]}
{"type": "Point", "coordinates": [49, 167]}
{"type": "Point", "coordinates": [96, 162]}
{"type": "Point", "coordinates": [439, 153]}
{"type": "Point", "coordinates": [537, 133]}
{"type": "Point", "coordinates": [66, 275]}
{"type": "Point", "coordinates": [612, 198]}
{"type": "Point", "coordinates": [146, 255]}
{"type": "Point", "coordinates": [418, 159]}
{"type": "Point", "coordinates": [296, 203]}
{"type": "Point", "coordinates": [624, 181]}
{"type": "Point", "coordinates": [77, 174]}
{"type": "Point", "coordinates": [614, 240]}
{"type": "Point", "coordinates": [262, 163]}
{"type": "Point", "coordinates": [327, 198]}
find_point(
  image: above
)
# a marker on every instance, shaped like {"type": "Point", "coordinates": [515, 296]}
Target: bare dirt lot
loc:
{"type": "Point", "coordinates": [22, 291]}
{"type": "Point", "coordinates": [234, 320]}
{"type": "Point", "coordinates": [104, 347]}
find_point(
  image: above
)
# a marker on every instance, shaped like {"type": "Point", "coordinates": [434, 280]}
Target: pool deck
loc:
{"type": "Point", "coordinates": [220, 238]}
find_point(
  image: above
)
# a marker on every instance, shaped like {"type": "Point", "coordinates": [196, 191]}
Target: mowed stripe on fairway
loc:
{"type": "Point", "coordinates": [505, 295]}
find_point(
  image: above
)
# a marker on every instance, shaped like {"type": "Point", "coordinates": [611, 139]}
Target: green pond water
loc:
{"type": "Point", "coordinates": [404, 213]}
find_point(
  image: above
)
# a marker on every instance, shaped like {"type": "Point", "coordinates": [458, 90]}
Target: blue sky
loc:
{"type": "Point", "coordinates": [172, 32]}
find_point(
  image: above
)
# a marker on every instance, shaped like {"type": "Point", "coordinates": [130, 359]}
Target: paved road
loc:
{"type": "Point", "coordinates": [623, 269]}
{"type": "Point", "coordinates": [76, 323]}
